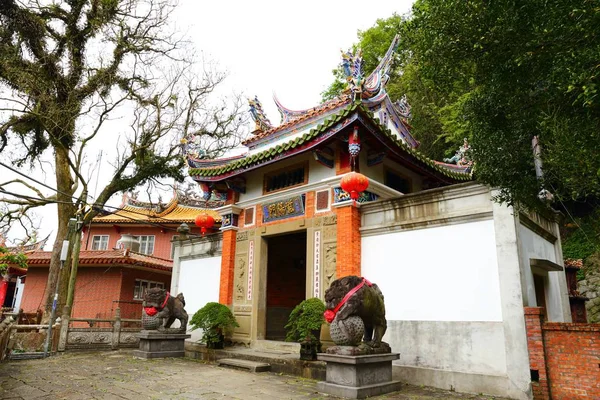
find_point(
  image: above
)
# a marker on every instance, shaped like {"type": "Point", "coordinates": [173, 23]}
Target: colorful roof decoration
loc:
{"type": "Point", "coordinates": [312, 138]}
{"type": "Point", "coordinates": [39, 245]}
{"type": "Point", "coordinates": [105, 257]}
{"type": "Point", "coordinates": [261, 121]}
{"type": "Point", "coordinates": [573, 263]}
{"type": "Point", "coordinates": [176, 211]}
{"type": "Point", "coordinates": [300, 120]}
{"type": "Point", "coordinates": [286, 114]}
{"type": "Point", "coordinates": [365, 100]}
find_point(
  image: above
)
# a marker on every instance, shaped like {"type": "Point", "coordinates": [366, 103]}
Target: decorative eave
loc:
{"type": "Point", "coordinates": [201, 163]}
{"type": "Point", "coordinates": [330, 126]}
{"type": "Point", "coordinates": [39, 245]}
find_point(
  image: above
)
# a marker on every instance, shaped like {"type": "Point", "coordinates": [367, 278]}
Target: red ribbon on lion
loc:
{"type": "Point", "coordinates": [330, 314]}
{"type": "Point", "coordinates": [151, 311]}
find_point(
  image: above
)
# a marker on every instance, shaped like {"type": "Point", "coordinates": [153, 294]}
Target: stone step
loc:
{"type": "Point", "coordinates": [277, 346]}
{"type": "Point", "coordinates": [251, 366]}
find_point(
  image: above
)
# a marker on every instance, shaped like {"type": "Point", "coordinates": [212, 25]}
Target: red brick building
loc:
{"type": "Point", "coordinates": [105, 280]}
{"type": "Point", "coordinates": [108, 276]}
{"type": "Point", "coordinates": [154, 225]}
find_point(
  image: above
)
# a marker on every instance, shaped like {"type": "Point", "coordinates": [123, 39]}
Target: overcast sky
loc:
{"type": "Point", "coordinates": [274, 46]}
{"type": "Point", "coordinates": [266, 47]}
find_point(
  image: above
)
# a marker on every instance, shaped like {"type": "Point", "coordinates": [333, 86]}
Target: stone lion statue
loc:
{"type": "Point", "coordinates": [167, 308]}
{"type": "Point", "coordinates": [366, 303]}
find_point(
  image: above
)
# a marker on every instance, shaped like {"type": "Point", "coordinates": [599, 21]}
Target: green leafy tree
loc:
{"type": "Point", "coordinates": [68, 67]}
{"type": "Point", "coordinates": [8, 257]}
{"type": "Point", "coordinates": [532, 70]}
{"type": "Point", "coordinates": [500, 73]}
{"type": "Point", "coordinates": [434, 121]}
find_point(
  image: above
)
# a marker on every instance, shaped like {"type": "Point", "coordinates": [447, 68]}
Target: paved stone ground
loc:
{"type": "Point", "coordinates": [117, 375]}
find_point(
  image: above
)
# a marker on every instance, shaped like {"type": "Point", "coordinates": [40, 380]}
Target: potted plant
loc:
{"type": "Point", "coordinates": [304, 326]}
{"type": "Point", "coordinates": [215, 320]}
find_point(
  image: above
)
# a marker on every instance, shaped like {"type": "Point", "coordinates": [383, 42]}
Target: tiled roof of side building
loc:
{"type": "Point", "coordinates": [101, 257]}
{"type": "Point", "coordinates": [176, 214]}
{"type": "Point", "coordinates": [299, 143]}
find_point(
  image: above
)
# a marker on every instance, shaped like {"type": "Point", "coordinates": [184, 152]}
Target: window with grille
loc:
{"type": "Point", "coordinates": [100, 242]}
{"type": "Point", "coordinates": [141, 286]}
{"type": "Point", "coordinates": [294, 175]}
{"type": "Point", "coordinates": [398, 182]}
{"type": "Point", "coordinates": [147, 244]}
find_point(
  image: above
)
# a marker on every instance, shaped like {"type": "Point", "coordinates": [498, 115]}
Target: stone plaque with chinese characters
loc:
{"type": "Point", "coordinates": [283, 209]}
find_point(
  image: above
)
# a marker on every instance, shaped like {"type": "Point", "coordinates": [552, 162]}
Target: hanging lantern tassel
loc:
{"type": "Point", "coordinates": [354, 184]}
{"type": "Point", "coordinates": [353, 147]}
{"type": "Point", "coordinates": [204, 221]}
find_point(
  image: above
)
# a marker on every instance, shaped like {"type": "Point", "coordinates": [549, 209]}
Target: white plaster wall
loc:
{"type": "Point", "coordinates": [442, 296]}
{"type": "Point", "coordinates": [199, 282]}
{"type": "Point", "coordinates": [535, 246]}
{"type": "Point", "coordinates": [446, 273]}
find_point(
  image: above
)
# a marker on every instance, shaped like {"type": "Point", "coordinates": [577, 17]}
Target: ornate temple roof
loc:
{"type": "Point", "coordinates": [176, 211]}
{"type": "Point", "coordinates": [364, 99]}
{"type": "Point", "coordinates": [308, 140]}
{"type": "Point", "coordinates": [103, 257]}
{"type": "Point", "coordinates": [39, 245]}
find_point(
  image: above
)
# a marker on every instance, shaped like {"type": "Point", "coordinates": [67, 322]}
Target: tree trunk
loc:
{"type": "Point", "coordinates": [64, 184]}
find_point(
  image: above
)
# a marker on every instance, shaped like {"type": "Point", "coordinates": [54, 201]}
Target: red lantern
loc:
{"type": "Point", "coordinates": [354, 183]}
{"type": "Point", "coordinates": [204, 221]}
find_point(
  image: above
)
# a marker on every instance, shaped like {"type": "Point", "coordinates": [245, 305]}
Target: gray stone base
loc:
{"type": "Point", "coordinates": [361, 392]}
{"type": "Point", "coordinates": [358, 377]}
{"type": "Point", "coordinates": [154, 344]}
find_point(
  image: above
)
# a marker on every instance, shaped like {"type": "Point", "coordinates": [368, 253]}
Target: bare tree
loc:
{"type": "Point", "coordinates": [69, 67]}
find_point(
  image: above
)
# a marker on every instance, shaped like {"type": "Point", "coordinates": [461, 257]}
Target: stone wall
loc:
{"type": "Point", "coordinates": [590, 287]}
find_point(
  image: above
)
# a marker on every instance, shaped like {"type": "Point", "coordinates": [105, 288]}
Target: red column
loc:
{"type": "Point", "coordinates": [348, 239]}
{"type": "Point", "coordinates": [3, 288]}
{"type": "Point", "coordinates": [227, 267]}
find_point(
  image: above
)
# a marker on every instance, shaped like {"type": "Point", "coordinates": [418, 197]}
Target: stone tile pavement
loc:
{"type": "Point", "coordinates": [118, 375]}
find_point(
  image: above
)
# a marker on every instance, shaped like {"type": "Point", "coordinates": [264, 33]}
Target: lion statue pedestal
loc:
{"type": "Point", "coordinates": [157, 338]}
{"type": "Point", "coordinates": [360, 364]}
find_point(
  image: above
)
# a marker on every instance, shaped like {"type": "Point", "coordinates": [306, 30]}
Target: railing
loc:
{"type": "Point", "coordinates": [5, 326]}
{"type": "Point", "coordinates": [18, 341]}
{"type": "Point", "coordinates": [98, 333]}
{"type": "Point", "coordinates": [23, 318]}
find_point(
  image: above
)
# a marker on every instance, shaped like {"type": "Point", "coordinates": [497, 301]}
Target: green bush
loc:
{"type": "Point", "coordinates": [306, 318]}
{"type": "Point", "coordinates": [215, 320]}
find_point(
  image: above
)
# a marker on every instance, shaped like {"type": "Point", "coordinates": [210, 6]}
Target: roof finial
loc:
{"type": "Point", "coordinates": [259, 117]}
{"type": "Point", "coordinates": [353, 69]}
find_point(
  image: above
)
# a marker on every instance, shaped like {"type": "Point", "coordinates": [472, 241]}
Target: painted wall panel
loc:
{"type": "Point", "coordinates": [446, 273]}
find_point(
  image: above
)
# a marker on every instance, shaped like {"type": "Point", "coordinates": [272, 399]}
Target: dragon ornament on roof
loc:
{"type": "Point", "coordinates": [191, 146]}
{"type": "Point", "coordinates": [403, 108]}
{"type": "Point", "coordinates": [352, 64]}
{"type": "Point", "coordinates": [261, 121]}
{"type": "Point", "coordinates": [372, 88]}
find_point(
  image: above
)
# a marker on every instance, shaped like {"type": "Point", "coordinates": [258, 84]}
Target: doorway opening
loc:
{"type": "Point", "coordinates": [286, 280]}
